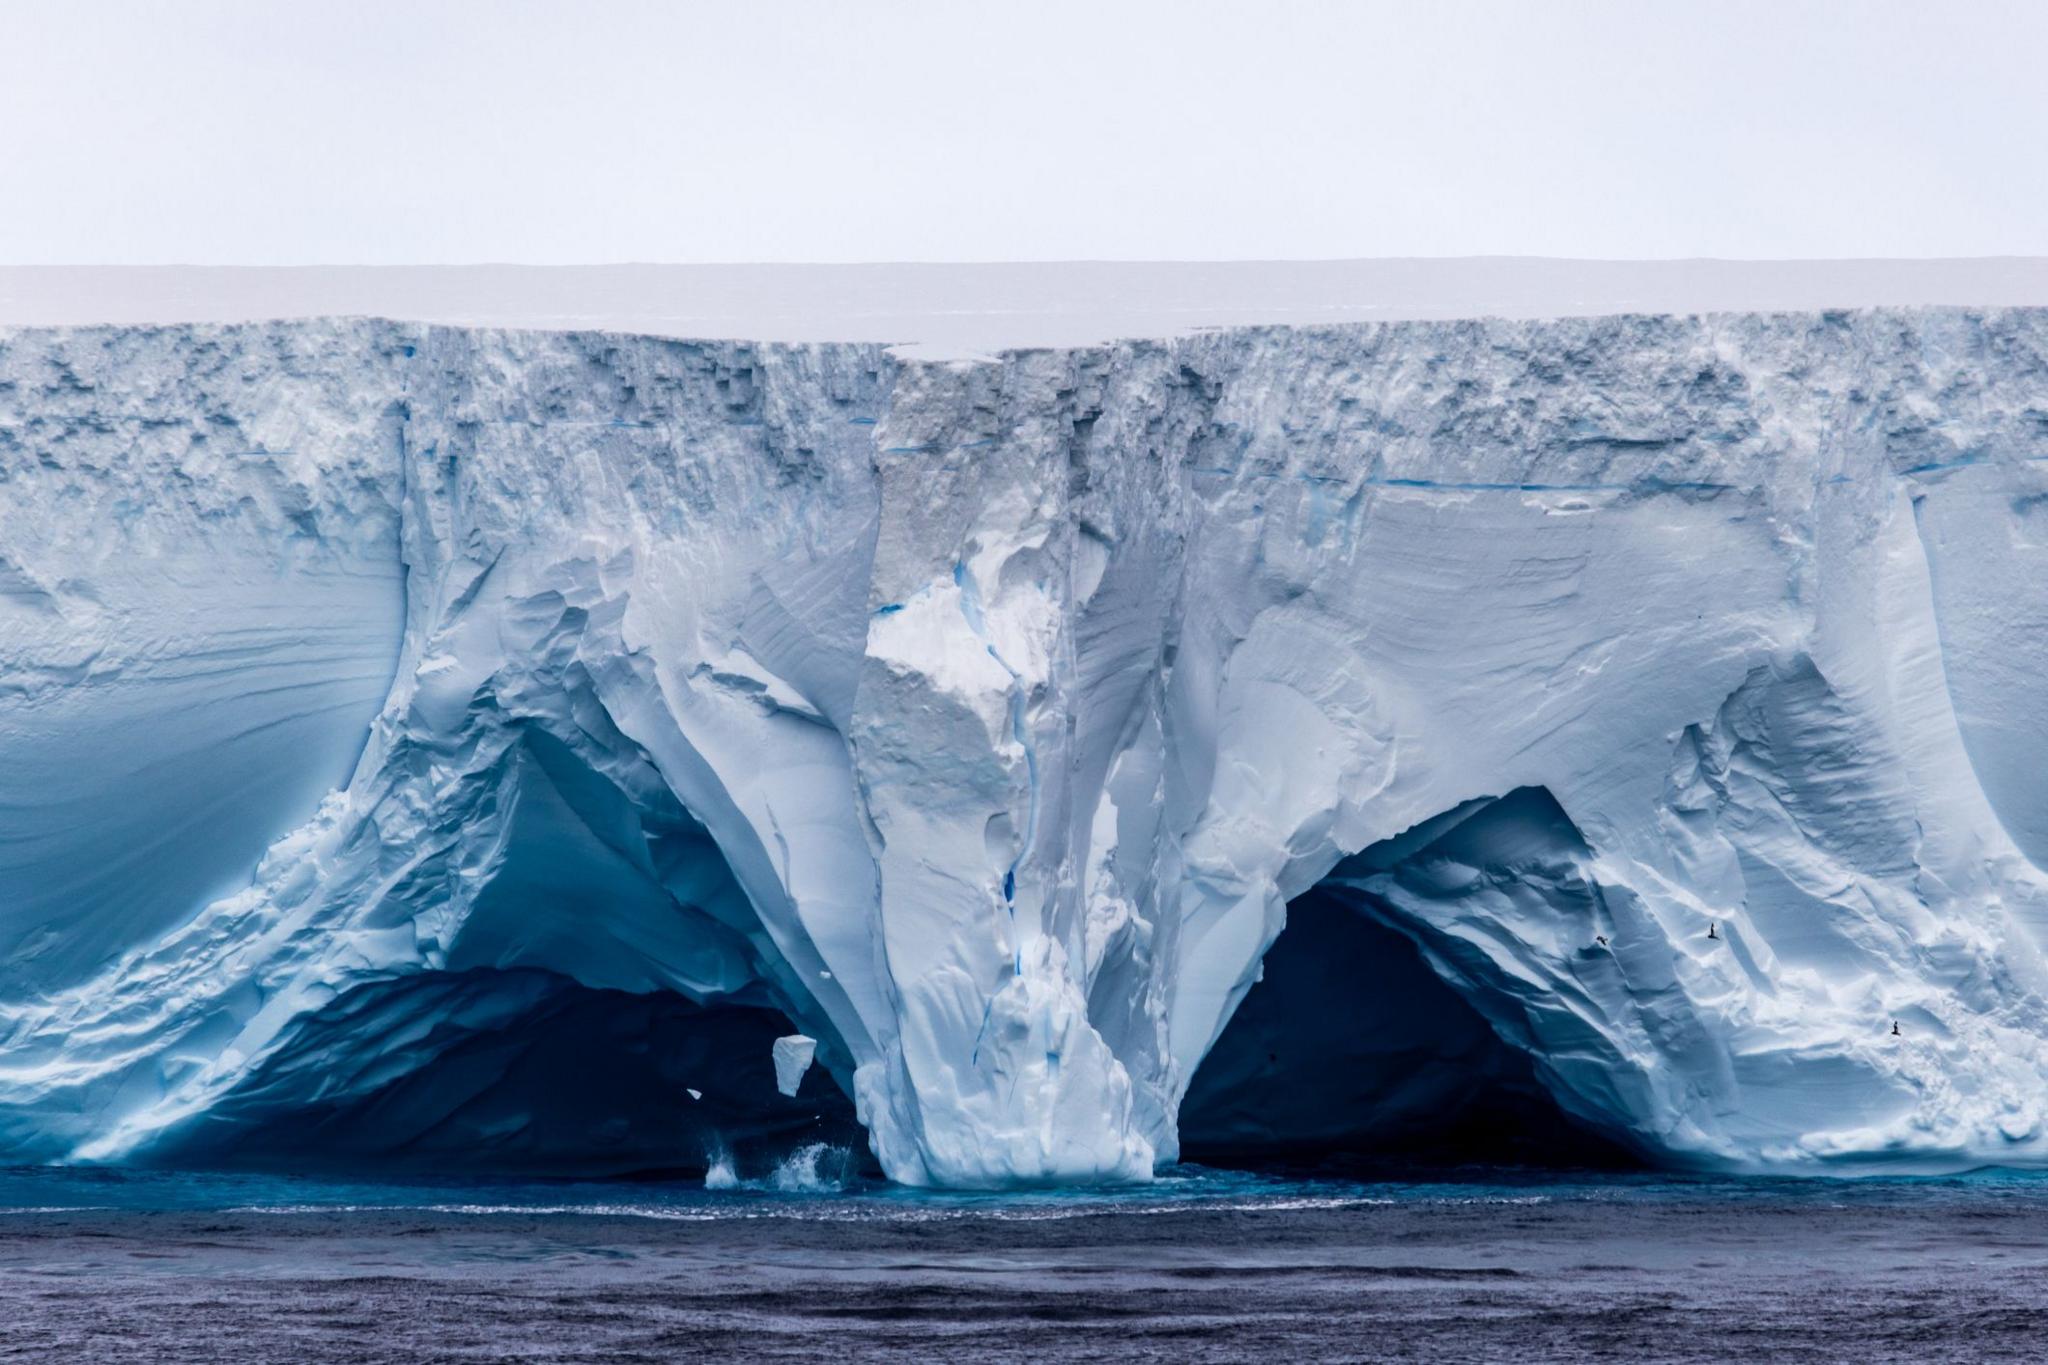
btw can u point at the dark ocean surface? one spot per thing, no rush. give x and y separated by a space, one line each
1202 1265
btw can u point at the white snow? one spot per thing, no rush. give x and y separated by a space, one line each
984 716
939 311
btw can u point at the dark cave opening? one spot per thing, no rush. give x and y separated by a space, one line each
1352 1050
520 1073
604 1010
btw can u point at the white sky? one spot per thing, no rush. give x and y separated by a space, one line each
241 132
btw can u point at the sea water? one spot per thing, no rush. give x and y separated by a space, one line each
811 1260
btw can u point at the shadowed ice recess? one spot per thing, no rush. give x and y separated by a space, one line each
1599 733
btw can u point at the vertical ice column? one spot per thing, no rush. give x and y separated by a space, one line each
973 691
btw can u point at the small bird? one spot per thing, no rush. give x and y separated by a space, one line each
1710 931
1895 1028
1600 939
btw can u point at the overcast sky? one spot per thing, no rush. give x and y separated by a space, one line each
289 131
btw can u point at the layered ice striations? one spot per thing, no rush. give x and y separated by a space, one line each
1670 688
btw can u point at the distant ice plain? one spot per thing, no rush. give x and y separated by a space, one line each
941 310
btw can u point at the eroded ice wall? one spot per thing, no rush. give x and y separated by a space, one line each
982 717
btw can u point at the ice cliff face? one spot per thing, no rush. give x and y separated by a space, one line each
981 719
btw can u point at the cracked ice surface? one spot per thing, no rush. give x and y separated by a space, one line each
983 716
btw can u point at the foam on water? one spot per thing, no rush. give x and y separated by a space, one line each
817 1184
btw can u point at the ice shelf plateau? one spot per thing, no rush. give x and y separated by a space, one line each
977 715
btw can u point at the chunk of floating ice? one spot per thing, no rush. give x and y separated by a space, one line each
792 1059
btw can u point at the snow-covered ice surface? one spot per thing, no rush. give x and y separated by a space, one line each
982 715
955 311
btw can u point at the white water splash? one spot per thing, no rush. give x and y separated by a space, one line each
719 1172
814 1168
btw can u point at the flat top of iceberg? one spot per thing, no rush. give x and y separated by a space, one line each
943 310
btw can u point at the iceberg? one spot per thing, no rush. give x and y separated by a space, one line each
404 726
